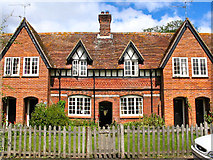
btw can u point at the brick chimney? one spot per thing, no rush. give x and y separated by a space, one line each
104 20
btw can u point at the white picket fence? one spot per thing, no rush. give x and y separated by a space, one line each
87 142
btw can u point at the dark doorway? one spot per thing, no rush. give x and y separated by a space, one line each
202 108
105 113
180 112
9 108
30 104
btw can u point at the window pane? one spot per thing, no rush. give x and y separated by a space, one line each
83 68
35 65
75 68
15 65
184 67
195 67
203 66
134 68
8 66
27 66
127 68
131 106
71 105
87 106
79 106
176 66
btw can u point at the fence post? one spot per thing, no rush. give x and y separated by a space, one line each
64 142
9 141
83 142
122 141
205 128
89 142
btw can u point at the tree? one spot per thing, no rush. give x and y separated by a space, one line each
168 28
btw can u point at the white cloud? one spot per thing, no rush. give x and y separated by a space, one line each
83 17
205 23
152 6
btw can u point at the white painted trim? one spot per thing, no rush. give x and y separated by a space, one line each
105 37
75 98
31 75
199 69
149 95
57 95
11 66
131 115
180 75
28 112
106 96
7 110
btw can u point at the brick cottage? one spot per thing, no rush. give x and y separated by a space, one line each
109 76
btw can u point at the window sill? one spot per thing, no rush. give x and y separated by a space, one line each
200 77
11 76
180 77
78 116
30 76
132 116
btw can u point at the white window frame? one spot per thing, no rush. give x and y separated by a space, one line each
199 67
11 59
30 74
181 70
75 98
77 69
131 68
127 100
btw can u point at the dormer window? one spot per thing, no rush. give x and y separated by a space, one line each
131 68
131 57
79 58
79 68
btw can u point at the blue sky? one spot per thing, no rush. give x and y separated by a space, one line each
82 16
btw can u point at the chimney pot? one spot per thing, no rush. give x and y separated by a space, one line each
107 12
102 12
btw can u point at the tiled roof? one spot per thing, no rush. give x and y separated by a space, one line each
106 52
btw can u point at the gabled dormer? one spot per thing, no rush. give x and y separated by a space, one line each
131 57
79 58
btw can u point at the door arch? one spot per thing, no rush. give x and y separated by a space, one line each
180 111
105 113
202 107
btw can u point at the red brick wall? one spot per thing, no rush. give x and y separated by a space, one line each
190 87
23 87
113 87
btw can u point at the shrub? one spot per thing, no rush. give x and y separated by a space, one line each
53 115
209 117
153 120
82 122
